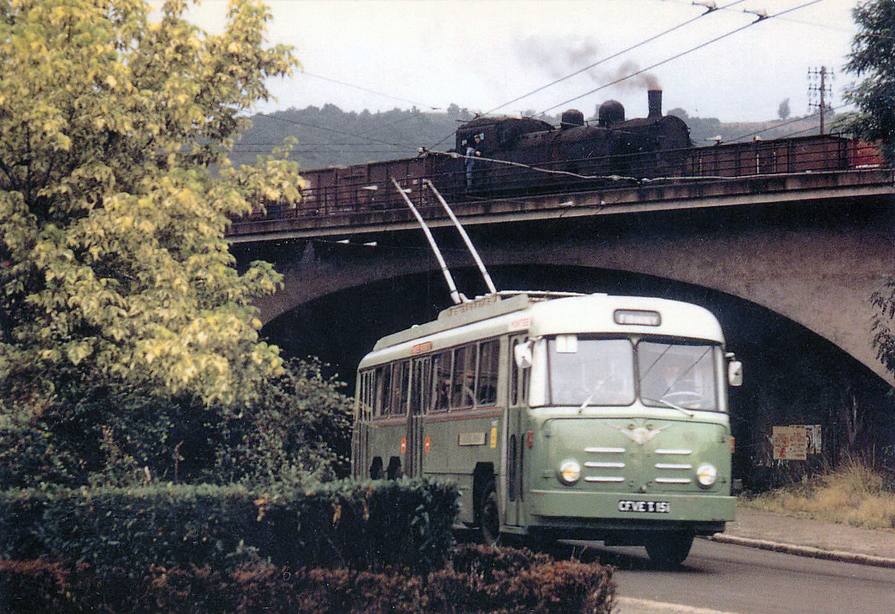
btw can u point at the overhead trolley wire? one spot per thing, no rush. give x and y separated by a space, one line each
683 53
708 11
614 82
333 130
787 123
602 61
369 91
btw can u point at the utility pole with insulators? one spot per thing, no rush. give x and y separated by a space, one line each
820 90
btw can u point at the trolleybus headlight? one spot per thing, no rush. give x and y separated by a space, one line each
706 475
569 472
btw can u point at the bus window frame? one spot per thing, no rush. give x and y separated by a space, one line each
493 378
542 367
390 400
400 392
460 374
549 374
366 405
717 360
383 390
437 406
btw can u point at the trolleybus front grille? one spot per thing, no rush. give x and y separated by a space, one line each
612 469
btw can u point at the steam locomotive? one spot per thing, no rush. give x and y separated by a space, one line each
523 156
615 148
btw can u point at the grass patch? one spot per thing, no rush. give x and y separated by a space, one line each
853 494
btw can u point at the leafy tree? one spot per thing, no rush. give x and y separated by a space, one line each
113 255
299 431
873 58
125 328
783 110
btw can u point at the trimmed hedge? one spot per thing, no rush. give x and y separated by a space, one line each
358 525
481 580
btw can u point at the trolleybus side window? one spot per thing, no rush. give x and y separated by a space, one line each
442 376
367 394
463 381
383 390
489 358
518 377
420 385
400 381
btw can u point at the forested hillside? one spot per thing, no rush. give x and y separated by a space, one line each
329 136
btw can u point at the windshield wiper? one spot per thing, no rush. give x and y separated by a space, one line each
586 402
687 413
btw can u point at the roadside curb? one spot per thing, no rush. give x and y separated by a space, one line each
808 551
631 605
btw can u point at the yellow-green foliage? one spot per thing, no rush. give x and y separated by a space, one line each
853 494
113 262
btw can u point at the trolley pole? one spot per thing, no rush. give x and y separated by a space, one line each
448 278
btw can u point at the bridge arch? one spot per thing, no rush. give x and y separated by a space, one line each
793 376
810 247
816 266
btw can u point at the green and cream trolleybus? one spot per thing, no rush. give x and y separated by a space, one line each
560 416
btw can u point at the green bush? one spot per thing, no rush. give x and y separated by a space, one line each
517 583
297 431
361 525
28 458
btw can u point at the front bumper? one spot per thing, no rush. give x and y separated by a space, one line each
702 513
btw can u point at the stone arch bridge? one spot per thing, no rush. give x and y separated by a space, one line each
810 247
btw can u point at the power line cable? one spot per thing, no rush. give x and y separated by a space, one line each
709 9
761 17
405 146
369 91
333 130
787 123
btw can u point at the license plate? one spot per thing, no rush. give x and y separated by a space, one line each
645 507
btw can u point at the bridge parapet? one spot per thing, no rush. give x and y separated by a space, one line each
355 219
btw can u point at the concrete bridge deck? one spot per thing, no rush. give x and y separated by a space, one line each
668 195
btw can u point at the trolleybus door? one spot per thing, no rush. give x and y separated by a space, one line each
419 402
515 444
361 433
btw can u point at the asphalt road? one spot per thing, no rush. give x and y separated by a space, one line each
750 581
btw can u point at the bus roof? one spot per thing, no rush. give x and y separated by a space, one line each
542 314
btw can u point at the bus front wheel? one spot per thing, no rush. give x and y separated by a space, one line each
669 549
489 516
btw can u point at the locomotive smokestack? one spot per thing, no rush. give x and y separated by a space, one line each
655 103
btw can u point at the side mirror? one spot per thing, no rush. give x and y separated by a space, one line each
522 354
735 373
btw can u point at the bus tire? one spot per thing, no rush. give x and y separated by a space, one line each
669 549
376 468
489 516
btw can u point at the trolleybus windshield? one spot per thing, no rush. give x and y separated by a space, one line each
590 371
614 372
678 375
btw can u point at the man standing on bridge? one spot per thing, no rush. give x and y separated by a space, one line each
473 150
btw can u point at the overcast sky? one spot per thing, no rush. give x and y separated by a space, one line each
482 54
